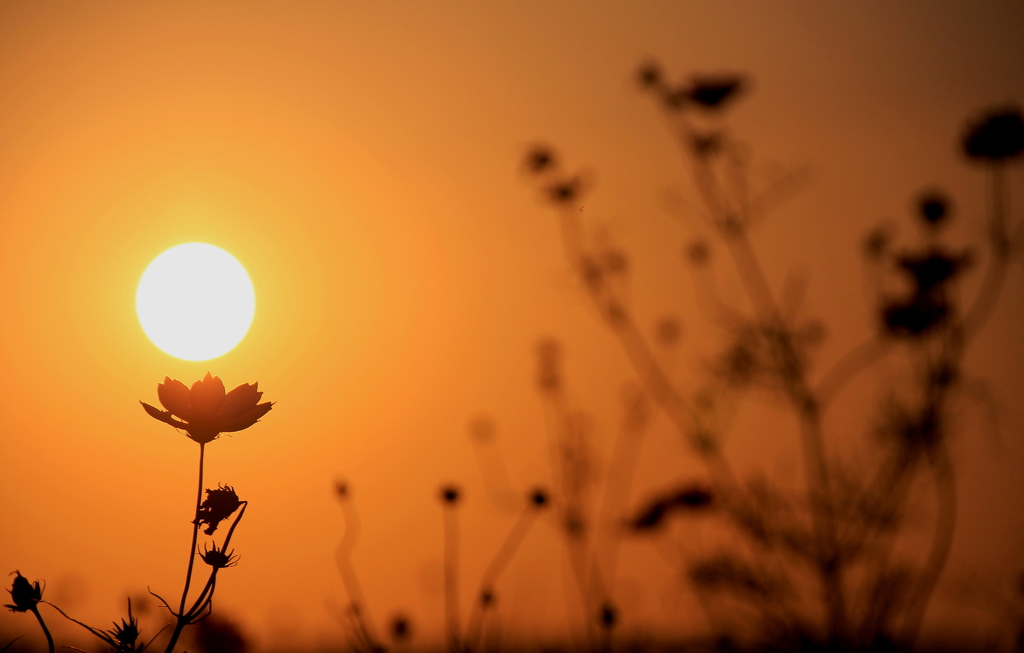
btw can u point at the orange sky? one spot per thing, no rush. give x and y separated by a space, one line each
360 160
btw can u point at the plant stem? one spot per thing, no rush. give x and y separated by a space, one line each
182 620
206 596
942 543
451 577
999 239
46 631
474 629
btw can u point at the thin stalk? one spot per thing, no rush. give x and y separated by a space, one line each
182 621
474 629
644 363
619 481
945 490
985 302
451 577
824 525
211 583
343 558
42 624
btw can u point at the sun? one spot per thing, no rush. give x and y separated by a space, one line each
195 301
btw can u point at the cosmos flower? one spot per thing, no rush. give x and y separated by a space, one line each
205 411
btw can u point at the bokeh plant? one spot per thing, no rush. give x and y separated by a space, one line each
202 412
814 567
840 529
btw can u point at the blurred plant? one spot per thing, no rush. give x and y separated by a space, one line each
356 617
203 412
843 526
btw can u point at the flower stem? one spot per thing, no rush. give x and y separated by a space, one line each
182 618
451 578
46 631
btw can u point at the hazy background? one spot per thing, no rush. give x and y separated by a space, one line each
360 160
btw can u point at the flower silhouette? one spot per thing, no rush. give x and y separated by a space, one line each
218 506
205 411
219 558
24 594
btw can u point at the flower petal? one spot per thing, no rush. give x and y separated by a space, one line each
165 417
174 396
239 401
207 397
246 419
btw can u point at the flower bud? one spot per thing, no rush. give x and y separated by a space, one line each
218 506
24 594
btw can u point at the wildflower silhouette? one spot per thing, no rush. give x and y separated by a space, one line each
205 411
219 558
26 597
24 594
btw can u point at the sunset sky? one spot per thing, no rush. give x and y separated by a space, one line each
362 161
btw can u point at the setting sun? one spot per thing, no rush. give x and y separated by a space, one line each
195 301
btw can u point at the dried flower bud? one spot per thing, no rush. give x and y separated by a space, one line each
401 628
341 489
714 93
609 616
539 497
565 191
997 136
539 159
24 594
218 506
126 633
450 494
219 558
933 208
